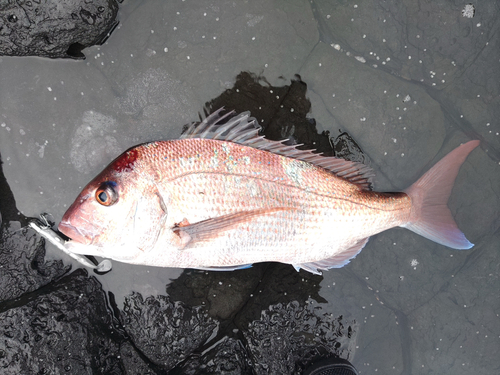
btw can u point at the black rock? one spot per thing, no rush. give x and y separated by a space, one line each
287 338
54 28
61 328
22 262
165 331
228 357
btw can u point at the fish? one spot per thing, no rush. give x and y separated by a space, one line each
223 197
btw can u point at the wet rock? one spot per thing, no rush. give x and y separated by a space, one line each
53 28
346 148
280 284
228 357
166 332
289 337
22 264
64 328
133 362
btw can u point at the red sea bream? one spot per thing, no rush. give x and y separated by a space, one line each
222 197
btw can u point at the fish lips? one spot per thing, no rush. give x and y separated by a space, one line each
75 233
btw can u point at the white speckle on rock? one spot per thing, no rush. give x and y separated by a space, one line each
468 11
253 20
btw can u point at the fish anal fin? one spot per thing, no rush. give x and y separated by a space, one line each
336 261
224 268
212 228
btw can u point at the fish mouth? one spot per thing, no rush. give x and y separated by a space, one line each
76 234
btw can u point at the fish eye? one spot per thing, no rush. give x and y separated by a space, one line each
106 194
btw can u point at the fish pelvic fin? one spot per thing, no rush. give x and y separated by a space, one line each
430 216
336 261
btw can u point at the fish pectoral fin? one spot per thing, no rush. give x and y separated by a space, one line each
211 228
336 261
184 237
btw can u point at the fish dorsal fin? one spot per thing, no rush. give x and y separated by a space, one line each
244 130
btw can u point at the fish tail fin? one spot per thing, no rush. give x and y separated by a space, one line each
430 216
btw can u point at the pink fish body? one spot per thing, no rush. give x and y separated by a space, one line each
222 197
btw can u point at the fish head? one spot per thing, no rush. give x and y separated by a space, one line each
119 214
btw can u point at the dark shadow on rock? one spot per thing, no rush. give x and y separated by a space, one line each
266 319
55 29
269 316
8 209
283 113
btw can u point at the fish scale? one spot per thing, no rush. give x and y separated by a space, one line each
223 197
